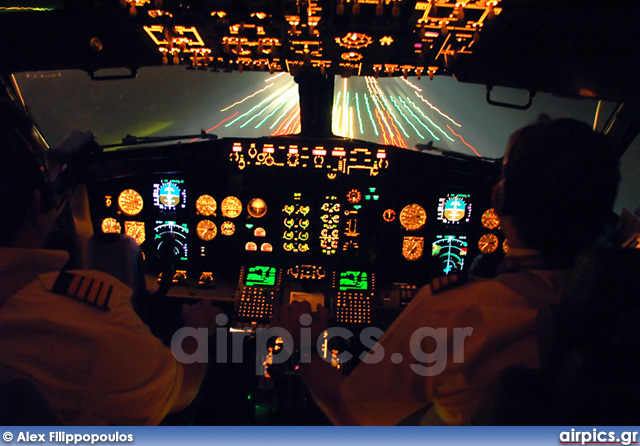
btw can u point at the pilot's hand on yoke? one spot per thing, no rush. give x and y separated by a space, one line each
292 317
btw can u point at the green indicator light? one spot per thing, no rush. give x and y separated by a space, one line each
367 197
372 189
249 225
248 397
376 197
357 207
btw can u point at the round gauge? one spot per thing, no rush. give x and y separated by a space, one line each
490 219
413 217
206 230
135 229
257 208
206 205
130 202
111 226
389 215
505 246
231 207
354 196
488 243
412 248
227 228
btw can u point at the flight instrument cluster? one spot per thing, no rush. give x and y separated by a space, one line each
303 207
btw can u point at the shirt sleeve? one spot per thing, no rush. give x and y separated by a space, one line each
136 380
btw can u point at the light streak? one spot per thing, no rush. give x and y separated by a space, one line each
432 123
465 142
373 123
273 78
217 125
283 115
248 97
284 100
436 109
406 119
291 96
269 99
400 142
358 113
411 84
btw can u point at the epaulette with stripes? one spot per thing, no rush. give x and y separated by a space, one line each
84 289
440 284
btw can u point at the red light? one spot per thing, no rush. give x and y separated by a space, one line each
319 152
381 154
237 148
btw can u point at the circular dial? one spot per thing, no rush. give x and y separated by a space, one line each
206 230
257 208
490 219
173 233
413 217
206 205
227 228
231 207
354 196
413 248
135 229
130 202
111 226
389 215
488 243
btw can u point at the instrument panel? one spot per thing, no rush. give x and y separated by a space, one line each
402 216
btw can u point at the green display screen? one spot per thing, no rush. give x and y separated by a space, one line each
353 280
261 276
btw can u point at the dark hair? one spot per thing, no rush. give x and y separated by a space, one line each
23 167
560 183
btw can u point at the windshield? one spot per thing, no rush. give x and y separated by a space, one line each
162 101
450 114
170 101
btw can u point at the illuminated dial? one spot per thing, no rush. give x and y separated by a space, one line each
488 243
111 226
130 202
389 215
490 219
412 248
231 207
505 246
354 196
451 250
206 205
206 230
227 228
257 208
135 229
413 217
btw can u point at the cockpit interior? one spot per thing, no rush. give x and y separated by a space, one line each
341 152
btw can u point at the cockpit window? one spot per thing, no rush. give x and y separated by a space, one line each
162 101
172 101
442 112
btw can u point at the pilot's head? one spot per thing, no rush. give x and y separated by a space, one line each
26 193
558 186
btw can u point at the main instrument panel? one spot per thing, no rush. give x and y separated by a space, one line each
312 213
